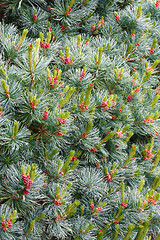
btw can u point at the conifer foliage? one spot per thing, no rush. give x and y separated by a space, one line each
80 120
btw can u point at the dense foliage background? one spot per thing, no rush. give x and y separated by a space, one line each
79 119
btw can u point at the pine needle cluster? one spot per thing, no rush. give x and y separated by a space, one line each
80 120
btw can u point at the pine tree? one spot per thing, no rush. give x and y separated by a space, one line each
79 120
